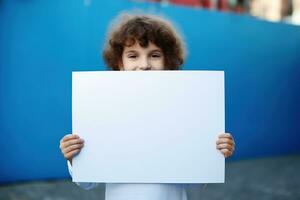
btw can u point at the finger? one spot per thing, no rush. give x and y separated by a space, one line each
69 137
225 146
71 142
72 147
229 148
225 135
71 154
225 140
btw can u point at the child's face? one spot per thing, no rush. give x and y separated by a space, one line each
136 57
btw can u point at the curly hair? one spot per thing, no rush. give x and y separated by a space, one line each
143 29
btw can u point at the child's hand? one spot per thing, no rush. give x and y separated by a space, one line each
225 144
70 145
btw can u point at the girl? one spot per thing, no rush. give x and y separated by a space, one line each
141 42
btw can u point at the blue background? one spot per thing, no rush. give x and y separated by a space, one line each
42 42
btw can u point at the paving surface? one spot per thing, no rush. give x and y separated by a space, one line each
266 178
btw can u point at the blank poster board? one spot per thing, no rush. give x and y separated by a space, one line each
148 126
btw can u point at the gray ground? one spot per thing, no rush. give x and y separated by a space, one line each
266 178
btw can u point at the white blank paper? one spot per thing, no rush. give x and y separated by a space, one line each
148 126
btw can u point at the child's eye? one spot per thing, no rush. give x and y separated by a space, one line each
155 55
132 56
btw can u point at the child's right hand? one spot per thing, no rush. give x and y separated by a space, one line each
70 145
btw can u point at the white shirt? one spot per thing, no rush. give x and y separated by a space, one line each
140 191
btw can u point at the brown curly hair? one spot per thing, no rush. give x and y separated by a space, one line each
143 29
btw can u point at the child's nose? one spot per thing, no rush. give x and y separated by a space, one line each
145 64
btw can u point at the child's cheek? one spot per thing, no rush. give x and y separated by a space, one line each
158 64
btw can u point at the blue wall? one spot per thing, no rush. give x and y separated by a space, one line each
41 42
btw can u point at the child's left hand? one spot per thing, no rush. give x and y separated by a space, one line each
225 144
